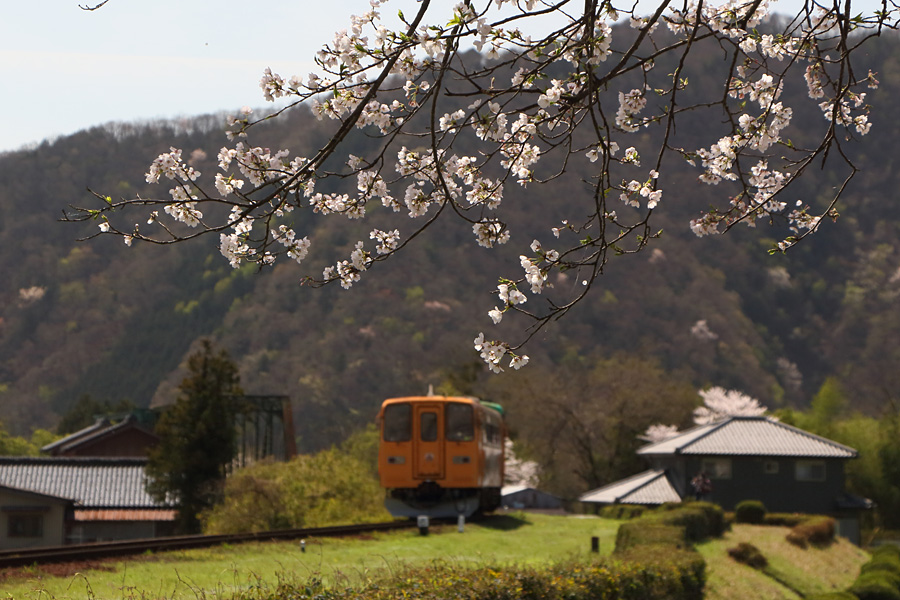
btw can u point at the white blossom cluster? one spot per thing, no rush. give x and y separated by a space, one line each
531 102
719 403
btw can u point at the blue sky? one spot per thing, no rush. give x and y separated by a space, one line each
65 69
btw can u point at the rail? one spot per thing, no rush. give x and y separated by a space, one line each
74 552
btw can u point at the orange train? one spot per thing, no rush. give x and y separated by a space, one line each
440 456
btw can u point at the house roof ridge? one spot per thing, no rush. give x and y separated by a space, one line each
749 435
105 431
73 460
711 428
97 425
853 451
695 430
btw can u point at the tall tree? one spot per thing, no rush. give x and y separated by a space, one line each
197 437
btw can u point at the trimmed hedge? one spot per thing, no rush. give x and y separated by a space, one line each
665 537
653 560
750 511
816 531
622 511
749 555
882 562
785 519
876 586
879 579
700 520
574 581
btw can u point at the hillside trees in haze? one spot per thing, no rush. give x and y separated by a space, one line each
86 410
113 322
581 420
462 135
834 414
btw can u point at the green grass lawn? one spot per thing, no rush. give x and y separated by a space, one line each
791 569
220 572
223 572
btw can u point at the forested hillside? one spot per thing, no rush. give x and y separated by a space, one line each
113 322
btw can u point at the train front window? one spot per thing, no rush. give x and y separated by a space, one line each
428 427
397 422
460 423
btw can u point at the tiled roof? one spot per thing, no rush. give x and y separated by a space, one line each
508 490
90 482
749 436
649 487
99 430
99 425
133 514
513 489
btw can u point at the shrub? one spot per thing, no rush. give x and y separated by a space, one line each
882 562
622 511
661 539
785 519
749 555
750 511
648 579
818 531
875 586
648 533
700 520
832 596
327 488
887 550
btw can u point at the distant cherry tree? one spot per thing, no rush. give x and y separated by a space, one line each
719 403
550 83
658 433
518 471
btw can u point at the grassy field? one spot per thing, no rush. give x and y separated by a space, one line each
218 573
792 572
223 572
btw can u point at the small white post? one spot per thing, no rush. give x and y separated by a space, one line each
422 521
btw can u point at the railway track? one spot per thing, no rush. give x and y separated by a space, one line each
77 552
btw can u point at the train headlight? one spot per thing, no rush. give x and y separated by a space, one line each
396 460
462 460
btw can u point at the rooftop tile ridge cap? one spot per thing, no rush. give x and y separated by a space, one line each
711 428
696 430
852 451
76 435
105 431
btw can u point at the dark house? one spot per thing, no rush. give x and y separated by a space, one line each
127 438
52 501
746 458
524 496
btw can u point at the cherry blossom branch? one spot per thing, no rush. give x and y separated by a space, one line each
532 108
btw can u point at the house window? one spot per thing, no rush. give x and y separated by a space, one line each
717 468
770 467
810 470
25 525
